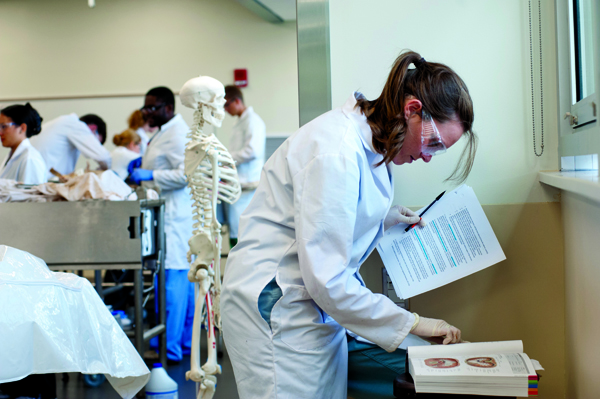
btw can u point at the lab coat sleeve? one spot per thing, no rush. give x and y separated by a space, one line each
254 137
173 178
34 171
326 194
90 147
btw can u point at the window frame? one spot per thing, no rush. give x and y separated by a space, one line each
584 137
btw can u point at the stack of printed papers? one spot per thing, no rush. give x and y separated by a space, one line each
486 368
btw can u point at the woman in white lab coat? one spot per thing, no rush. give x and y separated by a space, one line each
128 148
23 163
292 289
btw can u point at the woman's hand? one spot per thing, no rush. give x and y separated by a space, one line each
425 327
401 214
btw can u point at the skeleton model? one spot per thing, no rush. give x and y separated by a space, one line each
212 177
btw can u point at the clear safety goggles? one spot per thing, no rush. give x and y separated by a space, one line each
431 141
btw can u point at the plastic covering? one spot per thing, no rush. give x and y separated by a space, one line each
55 322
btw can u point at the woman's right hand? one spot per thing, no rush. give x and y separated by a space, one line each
426 327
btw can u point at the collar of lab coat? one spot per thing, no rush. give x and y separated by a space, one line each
355 115
174 120
366 134
25 144
245 114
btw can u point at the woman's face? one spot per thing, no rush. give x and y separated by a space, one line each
450 132
11 134
135 147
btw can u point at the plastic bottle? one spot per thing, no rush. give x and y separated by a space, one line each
160 386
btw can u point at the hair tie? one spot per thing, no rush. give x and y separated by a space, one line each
419 63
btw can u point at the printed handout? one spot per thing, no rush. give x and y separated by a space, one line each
456 242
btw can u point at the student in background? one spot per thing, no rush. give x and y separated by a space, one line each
62 140
128 148
24 163
247 148
162 167
138 124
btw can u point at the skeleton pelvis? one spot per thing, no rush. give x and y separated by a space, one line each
202 246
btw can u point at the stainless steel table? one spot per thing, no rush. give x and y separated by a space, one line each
96 235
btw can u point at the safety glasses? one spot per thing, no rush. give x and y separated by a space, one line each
5 125
431 141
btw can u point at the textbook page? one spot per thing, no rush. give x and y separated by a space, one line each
457 241
466 349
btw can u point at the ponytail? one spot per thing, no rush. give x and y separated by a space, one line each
443 95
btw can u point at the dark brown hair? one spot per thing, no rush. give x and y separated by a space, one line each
233 92
26 114
443 95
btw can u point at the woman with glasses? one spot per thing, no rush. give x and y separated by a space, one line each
23 163
298 320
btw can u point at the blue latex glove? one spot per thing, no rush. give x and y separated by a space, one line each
139 175
136 163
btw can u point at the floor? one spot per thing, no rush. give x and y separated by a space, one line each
75 388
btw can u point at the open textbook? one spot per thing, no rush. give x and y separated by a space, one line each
457 241
483 368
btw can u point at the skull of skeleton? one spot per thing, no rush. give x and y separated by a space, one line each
207 95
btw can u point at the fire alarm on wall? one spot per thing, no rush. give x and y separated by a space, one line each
240 77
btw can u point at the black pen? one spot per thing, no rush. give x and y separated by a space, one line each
426 209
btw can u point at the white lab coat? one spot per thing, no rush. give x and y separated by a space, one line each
121 157
316 216
62 139
26 165
247 148
145 139
165 156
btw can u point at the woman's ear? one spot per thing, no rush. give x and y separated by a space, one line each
23 127
411 107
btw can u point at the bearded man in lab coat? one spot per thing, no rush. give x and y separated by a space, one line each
247 148
162 166
62 140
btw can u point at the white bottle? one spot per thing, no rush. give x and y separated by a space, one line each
160 386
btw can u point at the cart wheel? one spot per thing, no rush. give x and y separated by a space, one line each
94 380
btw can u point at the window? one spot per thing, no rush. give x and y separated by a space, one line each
577 27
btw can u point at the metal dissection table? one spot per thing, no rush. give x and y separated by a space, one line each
96 235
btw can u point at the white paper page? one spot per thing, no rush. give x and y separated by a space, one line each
457 241
467 349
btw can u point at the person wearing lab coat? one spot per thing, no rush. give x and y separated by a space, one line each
62 140
128 148
295 309
163 166
138 124
23 163
247 148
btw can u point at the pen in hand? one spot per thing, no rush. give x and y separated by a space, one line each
425 210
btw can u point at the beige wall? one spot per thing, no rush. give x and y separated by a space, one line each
520 298
487 43
581 220
63 48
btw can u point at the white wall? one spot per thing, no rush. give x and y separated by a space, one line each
487 44
57 48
